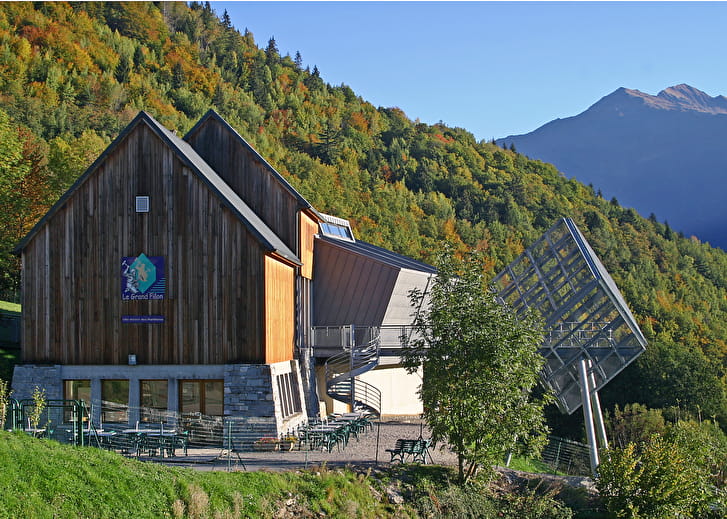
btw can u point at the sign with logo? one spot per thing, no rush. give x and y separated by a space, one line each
142 278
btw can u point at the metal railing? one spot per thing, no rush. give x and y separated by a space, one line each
577 334
390 336
68 421
342 369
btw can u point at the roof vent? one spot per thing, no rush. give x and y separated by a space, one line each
142 204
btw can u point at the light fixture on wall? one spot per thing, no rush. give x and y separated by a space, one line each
132 360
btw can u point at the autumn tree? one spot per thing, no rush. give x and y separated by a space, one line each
480 364
13 170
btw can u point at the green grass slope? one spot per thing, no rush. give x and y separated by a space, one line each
42 478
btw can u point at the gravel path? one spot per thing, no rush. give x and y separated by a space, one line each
368 451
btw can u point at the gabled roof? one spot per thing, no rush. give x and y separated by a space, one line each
380 254
211 114
205 173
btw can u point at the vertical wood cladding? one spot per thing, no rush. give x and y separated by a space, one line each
213 307
279 311
249 177
308 230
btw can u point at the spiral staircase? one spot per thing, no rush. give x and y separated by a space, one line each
360 355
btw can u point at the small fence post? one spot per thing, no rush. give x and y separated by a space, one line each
229 444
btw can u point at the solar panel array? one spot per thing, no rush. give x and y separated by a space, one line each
585 315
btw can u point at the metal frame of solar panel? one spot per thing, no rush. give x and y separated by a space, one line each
585 315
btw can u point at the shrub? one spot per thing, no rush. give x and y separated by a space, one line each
39 405
4 402
651 480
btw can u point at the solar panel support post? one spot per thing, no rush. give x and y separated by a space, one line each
588 414
352 346
597 414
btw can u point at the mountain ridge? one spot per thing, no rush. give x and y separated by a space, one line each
660 154
680 97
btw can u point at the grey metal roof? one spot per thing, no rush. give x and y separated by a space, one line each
213 114
254 224
380 254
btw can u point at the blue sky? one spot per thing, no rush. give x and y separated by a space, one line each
496 68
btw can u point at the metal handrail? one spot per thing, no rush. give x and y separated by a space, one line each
342 369
391 336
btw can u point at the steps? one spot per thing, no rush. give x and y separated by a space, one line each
360 355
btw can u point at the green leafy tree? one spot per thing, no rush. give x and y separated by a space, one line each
704 445
13 171
652 480
480 364
634 423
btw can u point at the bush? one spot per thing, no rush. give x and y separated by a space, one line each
651 480
477 501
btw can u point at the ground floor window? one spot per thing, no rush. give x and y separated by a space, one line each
115 401
201 396
289 392
76 390
153 399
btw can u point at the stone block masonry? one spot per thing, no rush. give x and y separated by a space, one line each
27 377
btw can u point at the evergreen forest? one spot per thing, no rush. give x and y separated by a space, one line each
72 75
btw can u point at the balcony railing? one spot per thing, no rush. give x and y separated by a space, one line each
391 337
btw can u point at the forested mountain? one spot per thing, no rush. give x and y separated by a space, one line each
73 74
661 154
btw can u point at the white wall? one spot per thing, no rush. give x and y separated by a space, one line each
398 390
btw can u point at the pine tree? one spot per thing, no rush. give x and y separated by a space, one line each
123 69
272 55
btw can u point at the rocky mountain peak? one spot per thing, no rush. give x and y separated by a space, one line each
685 97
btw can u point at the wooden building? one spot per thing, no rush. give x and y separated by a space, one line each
181 269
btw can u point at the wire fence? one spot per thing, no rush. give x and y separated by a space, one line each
566 456
162 435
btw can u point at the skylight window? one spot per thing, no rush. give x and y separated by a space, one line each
336 228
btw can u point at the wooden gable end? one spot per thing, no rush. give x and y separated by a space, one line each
279 311
249 176
212 310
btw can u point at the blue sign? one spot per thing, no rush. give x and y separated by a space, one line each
142 319
142 278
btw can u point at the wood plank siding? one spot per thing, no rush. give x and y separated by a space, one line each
350 288
249 176
214 305
308 230
279 311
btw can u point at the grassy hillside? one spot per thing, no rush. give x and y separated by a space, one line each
72 75
42 478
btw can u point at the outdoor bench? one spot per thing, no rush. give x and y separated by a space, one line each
403 449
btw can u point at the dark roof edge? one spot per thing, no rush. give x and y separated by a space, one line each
213 114
256 226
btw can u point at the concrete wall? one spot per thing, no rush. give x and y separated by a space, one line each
398 390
